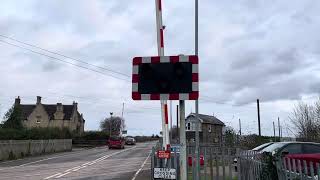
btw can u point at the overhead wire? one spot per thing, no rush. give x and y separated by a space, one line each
207 98
60 54
67 62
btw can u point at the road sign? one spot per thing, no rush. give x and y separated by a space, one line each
164 154
165 78
175 148
124 132
164 173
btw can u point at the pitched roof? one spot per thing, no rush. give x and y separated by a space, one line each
52 108
27 109
208 119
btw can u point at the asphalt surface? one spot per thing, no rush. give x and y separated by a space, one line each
131 163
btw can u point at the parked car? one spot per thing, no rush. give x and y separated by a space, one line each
116 142
281 149
262 146
130 141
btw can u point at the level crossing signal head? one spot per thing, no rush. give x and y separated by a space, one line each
165 78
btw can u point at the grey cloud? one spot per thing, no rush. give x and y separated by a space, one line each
247 49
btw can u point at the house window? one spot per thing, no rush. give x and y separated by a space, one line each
38 119
188 126
209 129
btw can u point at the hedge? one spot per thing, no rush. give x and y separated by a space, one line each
93 135
34 133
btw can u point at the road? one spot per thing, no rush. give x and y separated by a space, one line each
132 163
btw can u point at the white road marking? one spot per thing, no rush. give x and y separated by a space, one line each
21 165
145 161
52 176
33 162
74 169
62 175
37 161
86 163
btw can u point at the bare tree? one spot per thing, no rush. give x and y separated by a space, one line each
306 120
113 125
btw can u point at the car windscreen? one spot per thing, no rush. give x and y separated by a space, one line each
262 146
273 147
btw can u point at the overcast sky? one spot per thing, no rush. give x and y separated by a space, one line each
247 49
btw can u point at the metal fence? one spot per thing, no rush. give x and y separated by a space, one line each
220 163
215 162
254 165
172 162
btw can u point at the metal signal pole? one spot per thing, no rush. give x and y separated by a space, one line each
178 124
170 106
183 148
197 139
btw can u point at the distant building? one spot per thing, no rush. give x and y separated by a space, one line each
211 129
51 115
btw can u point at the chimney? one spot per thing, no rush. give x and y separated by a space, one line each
38 99
59 107
75 105
17 101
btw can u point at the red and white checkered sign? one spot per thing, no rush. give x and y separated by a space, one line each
194 95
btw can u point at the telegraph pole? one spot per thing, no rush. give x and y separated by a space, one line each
197 102
279 128
110 124
274 132
240 126
121 119
122 110
258 109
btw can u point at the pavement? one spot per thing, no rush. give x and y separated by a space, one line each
131 163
